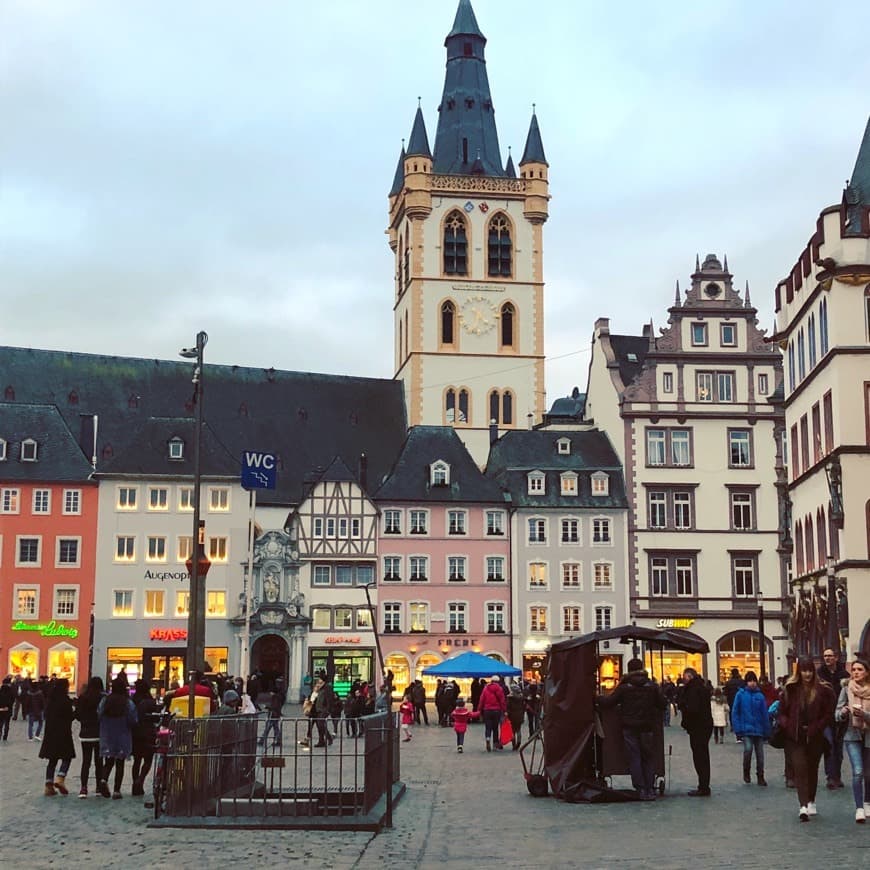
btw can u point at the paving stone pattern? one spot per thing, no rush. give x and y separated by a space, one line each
459 811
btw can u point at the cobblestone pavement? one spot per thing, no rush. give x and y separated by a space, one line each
458 810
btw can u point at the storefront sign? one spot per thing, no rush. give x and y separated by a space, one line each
457 641
169 634
46 629
341 638
675 623
166 575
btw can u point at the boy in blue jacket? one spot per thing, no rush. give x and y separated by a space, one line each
751 723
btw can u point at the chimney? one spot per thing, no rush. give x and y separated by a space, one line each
363 471
493 432
88 437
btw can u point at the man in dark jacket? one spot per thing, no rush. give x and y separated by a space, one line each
697 719
832 673
732 687
641 704
7 702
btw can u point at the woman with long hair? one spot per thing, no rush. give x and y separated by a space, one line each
117 718
144 734
89 735
57 744
853 706
804 713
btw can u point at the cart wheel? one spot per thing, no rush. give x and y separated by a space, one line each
537 785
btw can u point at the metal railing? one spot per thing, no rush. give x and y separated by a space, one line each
244 767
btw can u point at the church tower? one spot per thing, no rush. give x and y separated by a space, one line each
467 234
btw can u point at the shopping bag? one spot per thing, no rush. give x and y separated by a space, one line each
507 733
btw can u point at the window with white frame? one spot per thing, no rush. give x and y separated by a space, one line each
457 617
392 522
670 447
699 334
330 527
742 512
495 568
342 617
185 498
42 501
156 551
418 612
392 568
743 569
657 509
456 568
2 450
365 574
355 527
122 603
321 618
176 449
494 618
571 575
28 552
125 548
739 448
456 522
672 575
218 548
728 334
155 602
717 387
667 382
439 473
419 568
495 522
603 618
537 530
658 576
569 483
66 602
128 498
570 530
538 575
572 619
215 602
321 575
68 552
158 498
218 499
685 576
28 450
602 576
185 548
563 446
317 527
9 501
670 508
600 483
682 510
26 601
763 386
392 617
343 527
344 575
72 501
601 531
538 618
419 522
536 483
182 603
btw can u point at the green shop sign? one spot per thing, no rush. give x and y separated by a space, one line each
46 629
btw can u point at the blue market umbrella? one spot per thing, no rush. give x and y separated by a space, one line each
471 664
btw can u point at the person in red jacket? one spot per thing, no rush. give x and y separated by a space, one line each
492 707
461 717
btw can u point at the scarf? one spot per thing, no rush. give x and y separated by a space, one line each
858 695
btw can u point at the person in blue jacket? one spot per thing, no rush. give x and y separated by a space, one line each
751 723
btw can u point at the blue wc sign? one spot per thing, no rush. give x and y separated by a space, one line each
259 470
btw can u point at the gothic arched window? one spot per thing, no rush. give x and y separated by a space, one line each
455 245
822 535
507 408
810 543
507 325
463 406
499 253
799 548
450 406
493 406
448 319
823 326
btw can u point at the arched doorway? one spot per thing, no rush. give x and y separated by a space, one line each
427 660
270 655
739 649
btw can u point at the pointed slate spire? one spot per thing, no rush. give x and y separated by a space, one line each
399 177
418 144
725 258
746 302
509 169
534 150
857 194
677 295
466 118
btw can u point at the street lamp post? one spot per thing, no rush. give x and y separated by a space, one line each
761 643
196 605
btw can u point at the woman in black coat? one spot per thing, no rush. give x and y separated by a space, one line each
89 735
57 743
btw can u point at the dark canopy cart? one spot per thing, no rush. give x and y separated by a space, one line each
576 751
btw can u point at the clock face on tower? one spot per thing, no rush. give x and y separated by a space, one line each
477 315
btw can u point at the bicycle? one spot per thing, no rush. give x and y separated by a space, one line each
160 778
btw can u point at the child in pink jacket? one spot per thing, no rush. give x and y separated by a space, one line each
407 712
461 717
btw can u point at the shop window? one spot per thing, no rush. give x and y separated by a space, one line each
398 664
63 663
740 650
24 661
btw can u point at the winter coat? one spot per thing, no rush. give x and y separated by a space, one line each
516 710
732 687
695 707
461 717
145 729
719 711
7 699
805 724
844 714
35 703
492 698
89 720
418 694
407 711
749 714
639 700
57 742
324 698
116 732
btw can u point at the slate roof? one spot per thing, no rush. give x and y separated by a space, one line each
630 352
568 408
59 457
306 418
857 193
409 478
418 143
518 452
534 150
399 177
465 22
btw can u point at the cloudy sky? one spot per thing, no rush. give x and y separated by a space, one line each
173 166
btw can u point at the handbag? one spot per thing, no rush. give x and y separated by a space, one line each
777 736
507 732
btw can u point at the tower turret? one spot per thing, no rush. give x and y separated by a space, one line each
534 168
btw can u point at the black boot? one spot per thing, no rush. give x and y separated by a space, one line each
746 777
760 778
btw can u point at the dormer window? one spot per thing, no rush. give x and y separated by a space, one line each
569 483
176 448
2 450
536 483
600 483
28 450
439 473
563 445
